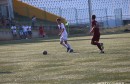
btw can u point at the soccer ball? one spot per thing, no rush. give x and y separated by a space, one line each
45 52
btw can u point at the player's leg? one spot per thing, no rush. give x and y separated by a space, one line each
30 34
26 35
66 42
68 46
62 42
96 43
101 44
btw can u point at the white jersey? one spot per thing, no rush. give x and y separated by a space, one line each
34 19
61 26
29 28
13 28
25 28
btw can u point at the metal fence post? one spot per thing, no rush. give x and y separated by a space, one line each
76 16
90 12
60 12
106 18
121 18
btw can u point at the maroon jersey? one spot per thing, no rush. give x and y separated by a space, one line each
96 29
96 33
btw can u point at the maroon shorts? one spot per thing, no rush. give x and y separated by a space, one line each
96 37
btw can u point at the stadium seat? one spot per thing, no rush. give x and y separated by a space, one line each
101 8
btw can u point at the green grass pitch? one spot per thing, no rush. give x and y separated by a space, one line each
23 62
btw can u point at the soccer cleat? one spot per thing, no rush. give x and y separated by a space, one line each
102 52
71 50
68 49
102 46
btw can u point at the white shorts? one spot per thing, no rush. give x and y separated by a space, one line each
64 38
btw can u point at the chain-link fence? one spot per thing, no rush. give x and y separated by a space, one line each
74 11
78 19
81 16
76 16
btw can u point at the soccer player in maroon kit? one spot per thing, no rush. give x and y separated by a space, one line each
96 34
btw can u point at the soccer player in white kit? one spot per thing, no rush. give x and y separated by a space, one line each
14 31
29 32
63 35
25 27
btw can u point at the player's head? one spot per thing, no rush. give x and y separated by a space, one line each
58 20
93 16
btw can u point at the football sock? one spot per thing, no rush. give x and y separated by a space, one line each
68 45
64 45
98 45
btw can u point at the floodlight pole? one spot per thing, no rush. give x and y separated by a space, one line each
90 12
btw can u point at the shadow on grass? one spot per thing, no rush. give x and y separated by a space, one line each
5 72
24 41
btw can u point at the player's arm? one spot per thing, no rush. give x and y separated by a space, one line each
92 30
61 28
94 26
61 31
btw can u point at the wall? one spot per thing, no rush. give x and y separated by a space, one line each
3 1
7 35
27 10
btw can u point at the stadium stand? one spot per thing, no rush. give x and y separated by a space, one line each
24 9
77 10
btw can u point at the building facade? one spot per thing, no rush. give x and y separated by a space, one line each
6 9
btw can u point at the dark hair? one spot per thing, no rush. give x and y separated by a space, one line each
93 16
58 19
